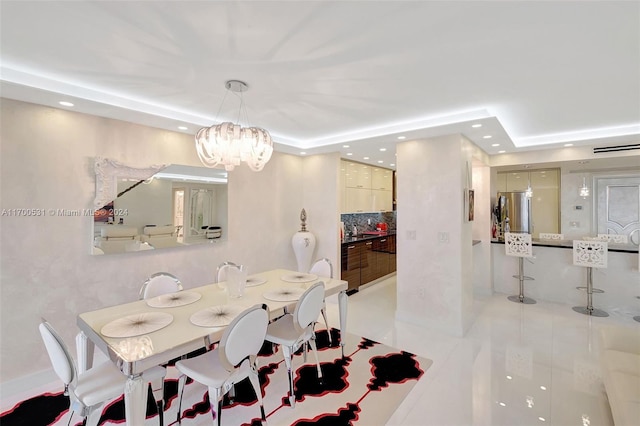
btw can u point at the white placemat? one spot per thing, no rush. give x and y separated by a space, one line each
171 300
299 278
137 324
216 316
284 294
255 281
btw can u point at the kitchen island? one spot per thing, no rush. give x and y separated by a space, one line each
556 278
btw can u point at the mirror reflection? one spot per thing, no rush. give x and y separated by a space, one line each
176 207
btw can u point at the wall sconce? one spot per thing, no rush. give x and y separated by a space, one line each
584 190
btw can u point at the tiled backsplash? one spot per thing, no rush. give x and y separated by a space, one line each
361 221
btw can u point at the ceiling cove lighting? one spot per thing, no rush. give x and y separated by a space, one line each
230 144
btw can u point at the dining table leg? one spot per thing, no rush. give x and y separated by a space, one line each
84 349
135 400
342 307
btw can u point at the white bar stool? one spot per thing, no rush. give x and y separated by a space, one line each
592 254
519 245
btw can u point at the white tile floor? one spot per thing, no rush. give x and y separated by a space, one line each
517 365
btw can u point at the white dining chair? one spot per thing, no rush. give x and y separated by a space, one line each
158 284
231 362
323 268
87 391
291 331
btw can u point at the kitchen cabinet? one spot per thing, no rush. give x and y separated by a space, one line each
358 200
367 260
350 265
382 179
364 188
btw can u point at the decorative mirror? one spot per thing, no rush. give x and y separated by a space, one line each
157 207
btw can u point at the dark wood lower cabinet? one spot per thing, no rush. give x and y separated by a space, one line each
367 260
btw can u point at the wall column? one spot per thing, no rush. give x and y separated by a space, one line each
434 237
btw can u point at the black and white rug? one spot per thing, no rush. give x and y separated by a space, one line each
364 388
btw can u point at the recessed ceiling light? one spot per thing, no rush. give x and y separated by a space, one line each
383 149
65 103
476 125
502 404
568 144
487 137
543 387
502 152
366 158
380 161
349 153
495 144
583 162
345 146
541 419
183 128
402 137
303 152
509 377
392 165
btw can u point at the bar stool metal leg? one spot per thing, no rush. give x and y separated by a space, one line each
589 309
637 317
521 298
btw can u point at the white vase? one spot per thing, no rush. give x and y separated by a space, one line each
304 244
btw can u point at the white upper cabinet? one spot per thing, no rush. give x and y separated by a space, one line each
357 175
382 179
365 188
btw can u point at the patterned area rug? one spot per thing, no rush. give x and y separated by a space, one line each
364 388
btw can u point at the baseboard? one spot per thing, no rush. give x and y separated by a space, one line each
24 386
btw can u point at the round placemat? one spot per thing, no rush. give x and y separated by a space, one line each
284 294
216 316
299 278
255 281
173 300
137 324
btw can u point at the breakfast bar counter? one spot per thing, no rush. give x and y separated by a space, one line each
556 278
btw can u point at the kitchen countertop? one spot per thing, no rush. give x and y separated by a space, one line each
367 236
622 248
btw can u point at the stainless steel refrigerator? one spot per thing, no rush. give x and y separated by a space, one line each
515 206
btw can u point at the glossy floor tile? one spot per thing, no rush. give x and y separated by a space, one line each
517 365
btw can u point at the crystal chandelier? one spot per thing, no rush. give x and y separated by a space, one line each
230 144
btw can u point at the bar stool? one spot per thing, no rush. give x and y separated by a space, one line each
519 245
592 254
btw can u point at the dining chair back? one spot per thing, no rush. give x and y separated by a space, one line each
158 284
87 391
231 362
291 331
323 268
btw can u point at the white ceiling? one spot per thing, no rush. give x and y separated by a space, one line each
324 74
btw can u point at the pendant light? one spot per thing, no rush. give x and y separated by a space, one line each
528 192
584 191
230 144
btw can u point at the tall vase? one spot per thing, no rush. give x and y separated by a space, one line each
304 244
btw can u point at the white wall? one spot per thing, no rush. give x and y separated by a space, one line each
47 160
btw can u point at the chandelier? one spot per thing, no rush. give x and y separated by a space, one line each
230 144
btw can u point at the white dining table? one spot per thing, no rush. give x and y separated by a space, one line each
137 353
